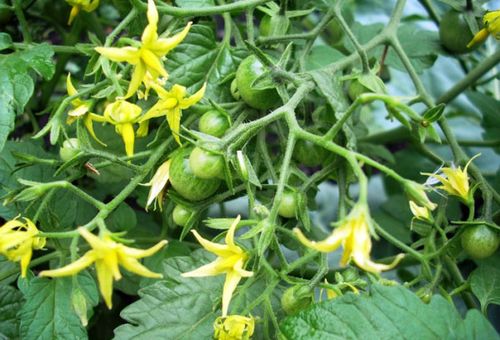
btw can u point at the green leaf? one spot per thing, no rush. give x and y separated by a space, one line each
199 59
330 88
485 284
11 300
177 307
7 114
190 62
5 41
39 58
9 176
489 108
16 83
387 313
48 312
421 47
322 56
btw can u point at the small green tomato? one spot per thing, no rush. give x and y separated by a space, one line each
69 149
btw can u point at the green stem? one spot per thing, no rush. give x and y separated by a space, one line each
237 6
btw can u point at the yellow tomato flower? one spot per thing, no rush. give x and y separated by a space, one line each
230 261
123 115
454 181
354 236
147 57
234 327
107 256
491 21
421 213
158 184
171 104
86 5
17 241
81 109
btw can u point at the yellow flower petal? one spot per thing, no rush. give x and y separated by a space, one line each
73 14
140 253
230 284
25 261
231 231
88 122
69 86
153 63
216 248
158 182
128 135
210 269
479 38
119 54
134 266
72 268
105 278
330 244
94 241
174 121
164 45
137 78
195 98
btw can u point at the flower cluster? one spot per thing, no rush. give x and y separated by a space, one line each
353 233
107 255
17 241
146 58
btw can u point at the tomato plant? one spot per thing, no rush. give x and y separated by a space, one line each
252 169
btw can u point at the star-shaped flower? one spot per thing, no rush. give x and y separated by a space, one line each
123 115
454 180
147 56
81 110
108 255
354 236
171 104
17 241
230 261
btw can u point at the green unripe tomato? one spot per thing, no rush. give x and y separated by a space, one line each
181 215
205 164
249 70
185 182
288 204
356 89
308 153
454 32
296 298
480 241
69 149
274 25
214 123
